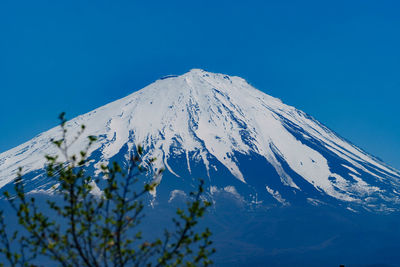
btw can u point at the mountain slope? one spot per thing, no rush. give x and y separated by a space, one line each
221 123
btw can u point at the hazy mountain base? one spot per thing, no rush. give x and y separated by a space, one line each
262 231
305 236
299 235
289 236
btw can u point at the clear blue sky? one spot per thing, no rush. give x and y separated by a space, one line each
336 60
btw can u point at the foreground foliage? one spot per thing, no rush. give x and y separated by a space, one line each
99 228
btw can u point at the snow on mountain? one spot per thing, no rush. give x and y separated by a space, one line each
203 116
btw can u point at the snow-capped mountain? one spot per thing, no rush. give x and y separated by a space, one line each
243 141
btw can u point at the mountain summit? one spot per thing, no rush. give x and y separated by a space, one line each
243 141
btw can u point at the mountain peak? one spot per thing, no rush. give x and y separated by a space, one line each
197 71
200 73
